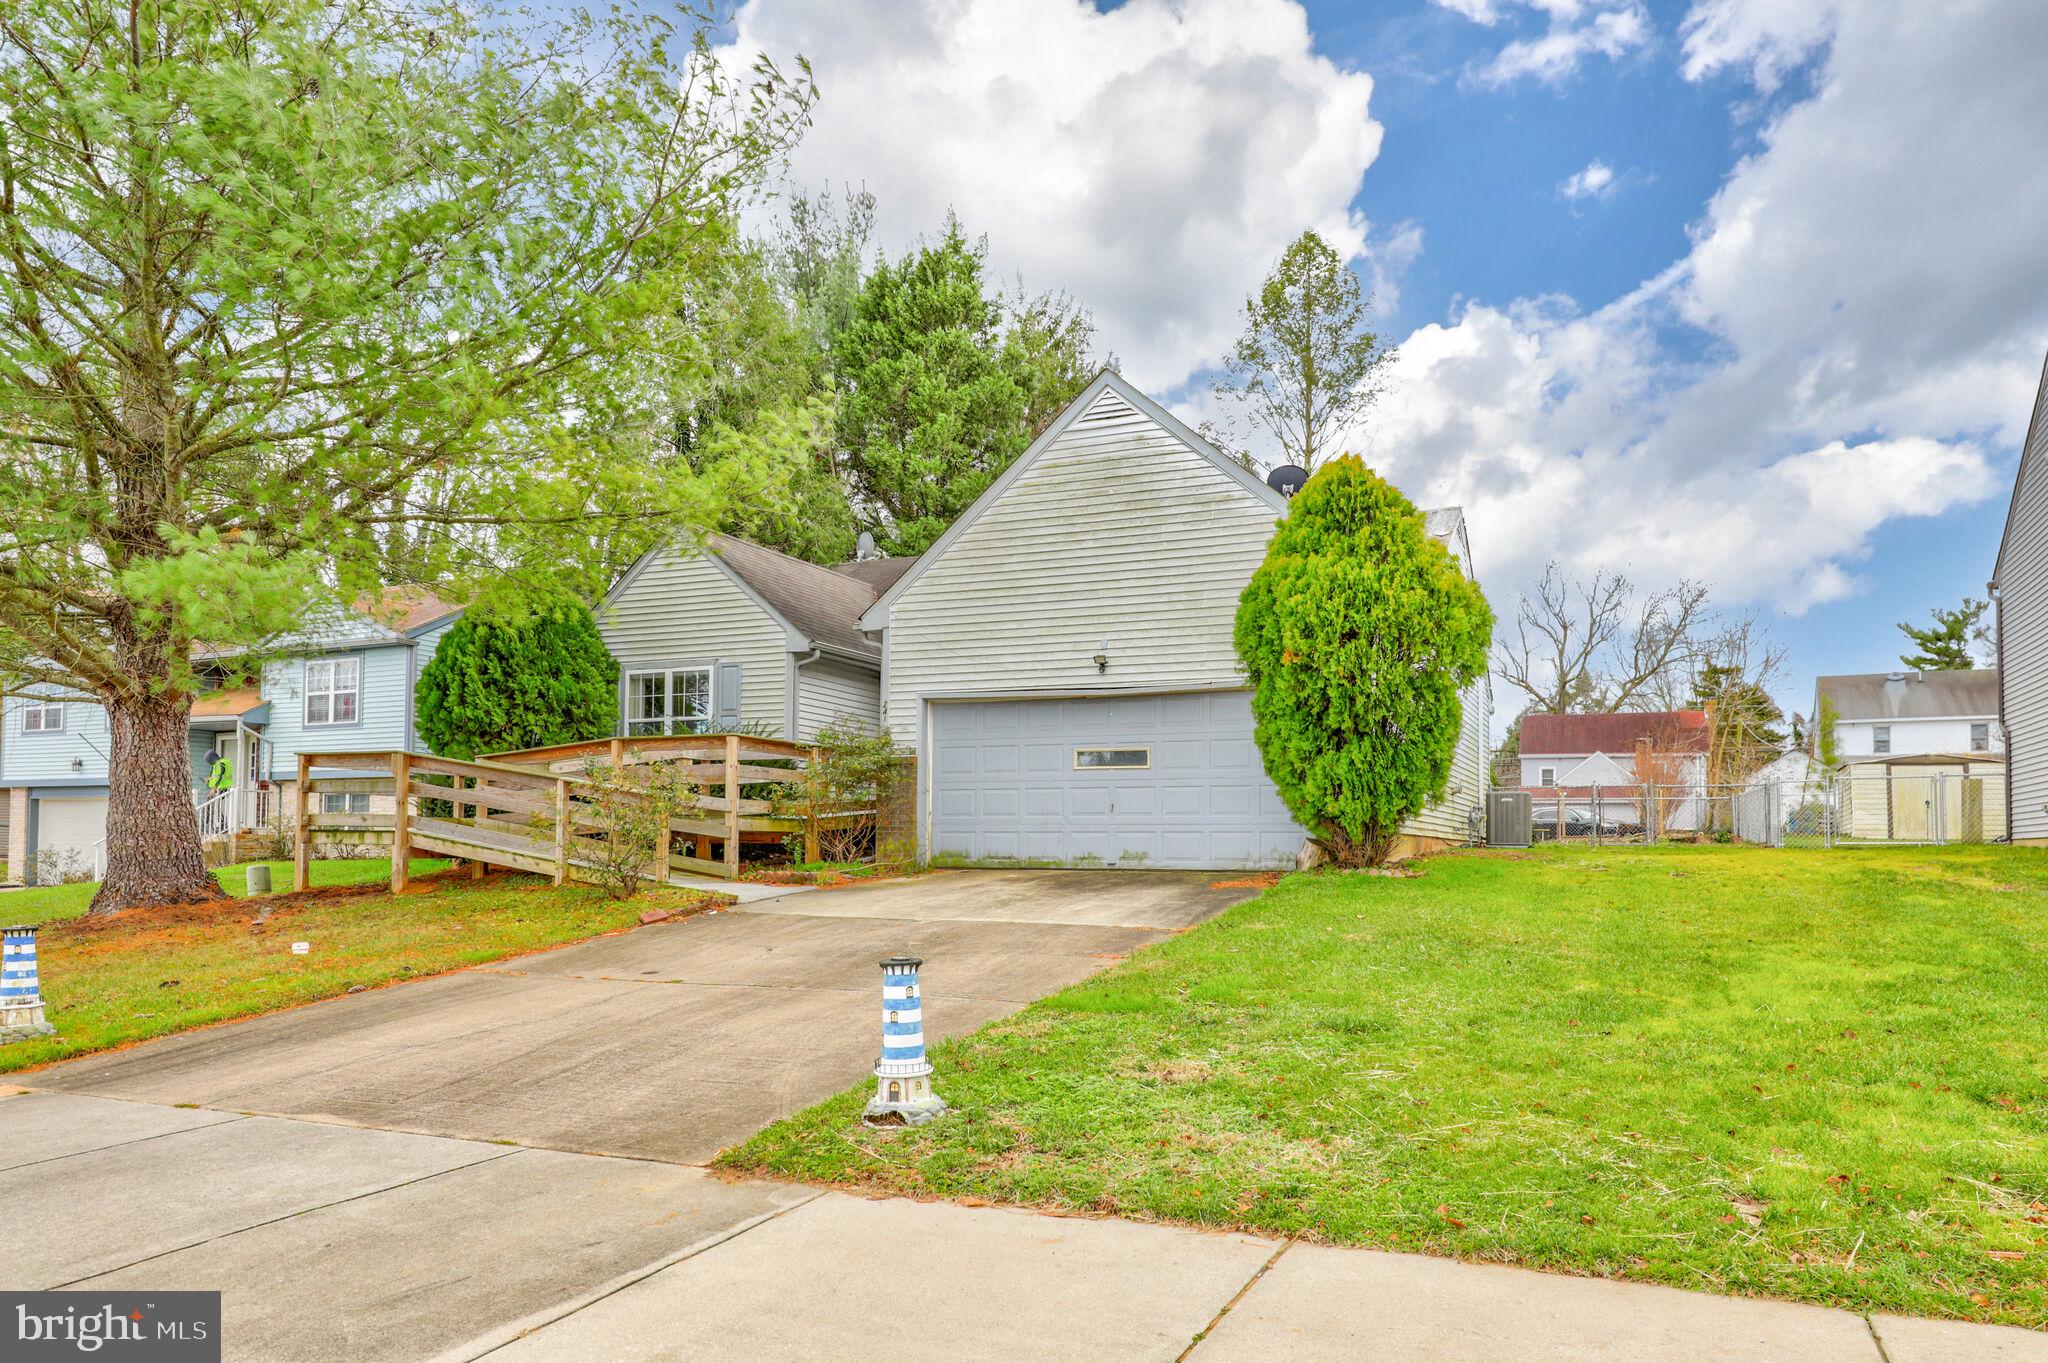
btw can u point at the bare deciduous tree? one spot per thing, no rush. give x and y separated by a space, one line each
1601 645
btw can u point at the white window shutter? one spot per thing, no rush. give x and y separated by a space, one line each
726 697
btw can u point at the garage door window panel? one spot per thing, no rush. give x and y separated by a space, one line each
1122 759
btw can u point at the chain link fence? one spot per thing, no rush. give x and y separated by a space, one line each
1846 809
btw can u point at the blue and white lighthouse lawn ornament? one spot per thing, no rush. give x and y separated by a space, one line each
903 1078
21 989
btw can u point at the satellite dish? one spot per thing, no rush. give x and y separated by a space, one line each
864 547
1287 479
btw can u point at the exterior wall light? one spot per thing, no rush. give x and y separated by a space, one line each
1101 659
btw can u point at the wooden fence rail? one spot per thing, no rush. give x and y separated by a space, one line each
532 810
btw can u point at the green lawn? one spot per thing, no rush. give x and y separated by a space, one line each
148 972
1813 1075
46 904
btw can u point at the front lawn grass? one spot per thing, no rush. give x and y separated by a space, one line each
148 972
47 903
1812 1075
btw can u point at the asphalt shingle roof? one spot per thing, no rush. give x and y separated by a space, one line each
824 604
1916 695
1569 735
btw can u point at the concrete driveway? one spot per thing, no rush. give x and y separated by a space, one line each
671 1042
351 1174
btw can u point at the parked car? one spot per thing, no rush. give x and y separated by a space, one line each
1578 824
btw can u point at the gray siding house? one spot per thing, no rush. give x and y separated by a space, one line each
1062 662
345 680
2019 591
730 635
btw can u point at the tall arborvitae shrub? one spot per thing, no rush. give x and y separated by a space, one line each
1359 632
502 681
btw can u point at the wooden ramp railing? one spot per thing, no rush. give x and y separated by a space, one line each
532 810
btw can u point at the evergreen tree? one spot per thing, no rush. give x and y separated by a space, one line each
751 411
1746 733
1359 634
501 681
1944 646
941 387
819 258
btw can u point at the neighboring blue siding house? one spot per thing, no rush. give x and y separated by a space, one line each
345 684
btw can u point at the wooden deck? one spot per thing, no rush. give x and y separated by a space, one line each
537 810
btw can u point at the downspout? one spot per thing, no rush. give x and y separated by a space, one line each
2004 729
412 684
796 673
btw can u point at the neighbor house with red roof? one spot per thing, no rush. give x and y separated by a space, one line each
1576 759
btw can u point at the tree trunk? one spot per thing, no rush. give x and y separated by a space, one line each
1369 849
153 852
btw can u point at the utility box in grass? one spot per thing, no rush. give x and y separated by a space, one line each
1507 818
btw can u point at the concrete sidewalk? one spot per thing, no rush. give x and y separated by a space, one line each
839 1277
338 1243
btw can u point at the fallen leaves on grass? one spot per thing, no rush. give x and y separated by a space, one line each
1179 1071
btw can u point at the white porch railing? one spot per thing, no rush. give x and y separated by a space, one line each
216 814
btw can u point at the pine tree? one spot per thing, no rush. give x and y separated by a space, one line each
1944 646
1746 733
942 386
1306 367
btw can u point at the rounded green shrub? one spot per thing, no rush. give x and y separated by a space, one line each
502 681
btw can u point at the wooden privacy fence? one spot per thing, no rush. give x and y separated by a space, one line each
535 809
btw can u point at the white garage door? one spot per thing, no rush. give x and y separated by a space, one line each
70 825
1132 781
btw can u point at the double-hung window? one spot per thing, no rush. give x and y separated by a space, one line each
1980 736
344 802
334 689
675 701
1881 738
42 716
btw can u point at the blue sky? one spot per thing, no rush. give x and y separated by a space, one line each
1785 342
1479 168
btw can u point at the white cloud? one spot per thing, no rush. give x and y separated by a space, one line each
1545 427
1596 181
1853 337
1153 160
1575 30
1770 37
